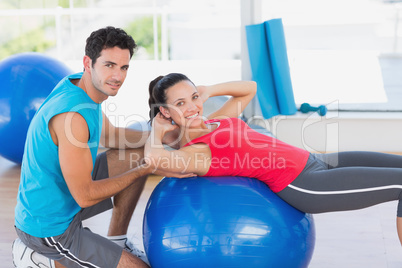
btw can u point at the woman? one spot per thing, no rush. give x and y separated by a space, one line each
225 145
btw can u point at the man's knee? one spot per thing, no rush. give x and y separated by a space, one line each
128 157
129 260
136 157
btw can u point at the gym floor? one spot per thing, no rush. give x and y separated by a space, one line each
355 239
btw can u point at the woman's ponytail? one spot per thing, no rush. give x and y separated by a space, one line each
153 102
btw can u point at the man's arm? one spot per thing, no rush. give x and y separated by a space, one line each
70 133
121 138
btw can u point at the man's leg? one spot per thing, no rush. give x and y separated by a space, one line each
120 161
76 247
129 260
126 260
30 258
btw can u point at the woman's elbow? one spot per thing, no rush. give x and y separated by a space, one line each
253 87
151 160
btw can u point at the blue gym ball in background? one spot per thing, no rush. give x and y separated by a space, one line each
26 81
224 222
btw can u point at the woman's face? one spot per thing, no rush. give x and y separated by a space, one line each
184 105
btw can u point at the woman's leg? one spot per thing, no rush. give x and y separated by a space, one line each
359 180
360 158
371 159
343 189
399 228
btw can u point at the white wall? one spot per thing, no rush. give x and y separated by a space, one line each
341 131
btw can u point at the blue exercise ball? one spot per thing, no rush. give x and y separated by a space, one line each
27 79
224 222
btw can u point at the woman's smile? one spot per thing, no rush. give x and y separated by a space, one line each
192 116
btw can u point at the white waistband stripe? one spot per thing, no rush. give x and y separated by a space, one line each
345 191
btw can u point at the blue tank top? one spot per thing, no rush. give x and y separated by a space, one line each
45 206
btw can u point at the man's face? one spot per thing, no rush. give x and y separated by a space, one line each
110 70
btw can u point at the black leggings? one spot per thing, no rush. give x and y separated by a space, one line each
346 181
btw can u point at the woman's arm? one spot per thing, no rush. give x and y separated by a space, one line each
241 92
191 159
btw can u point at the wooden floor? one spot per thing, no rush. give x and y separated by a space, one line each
363 238
9 179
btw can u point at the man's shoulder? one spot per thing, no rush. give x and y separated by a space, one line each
67 82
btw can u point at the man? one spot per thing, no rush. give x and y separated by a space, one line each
64 181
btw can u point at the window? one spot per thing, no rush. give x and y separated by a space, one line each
198 38
346 52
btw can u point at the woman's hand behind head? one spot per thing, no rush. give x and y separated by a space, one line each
161 123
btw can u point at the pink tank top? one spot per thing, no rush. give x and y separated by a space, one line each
238 150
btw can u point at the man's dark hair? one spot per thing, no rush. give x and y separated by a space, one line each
108 37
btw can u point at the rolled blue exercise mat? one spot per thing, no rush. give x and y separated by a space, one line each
270 68
280 66
261 69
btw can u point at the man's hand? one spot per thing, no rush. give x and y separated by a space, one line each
179 175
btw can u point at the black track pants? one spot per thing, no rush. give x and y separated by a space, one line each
346 181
